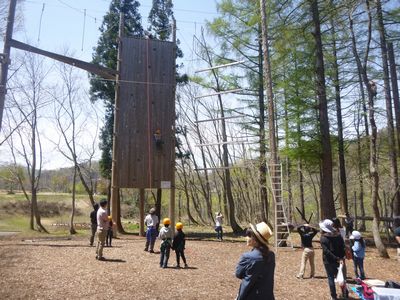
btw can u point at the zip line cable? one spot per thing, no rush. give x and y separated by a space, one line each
40 22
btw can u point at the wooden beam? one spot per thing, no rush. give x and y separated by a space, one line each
103 72
5 58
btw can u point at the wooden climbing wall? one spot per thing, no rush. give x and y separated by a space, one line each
146 104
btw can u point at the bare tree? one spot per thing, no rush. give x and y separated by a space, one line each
372 92
27 98
71 117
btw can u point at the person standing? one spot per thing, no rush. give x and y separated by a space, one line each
102 227
166 236
358 254
93 222
179 245
349 224
256 268
307 233
332 252
218 225
151 221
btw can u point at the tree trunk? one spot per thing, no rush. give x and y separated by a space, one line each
326 193
342 164
263 148
395 92
373 171
360 171
71 222
389 113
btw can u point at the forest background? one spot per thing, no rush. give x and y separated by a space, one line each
332 90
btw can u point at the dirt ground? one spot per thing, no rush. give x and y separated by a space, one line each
61 268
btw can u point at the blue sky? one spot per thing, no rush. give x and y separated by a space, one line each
58 25
54 25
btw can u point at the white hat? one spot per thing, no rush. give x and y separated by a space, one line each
262 232
355 235
326 226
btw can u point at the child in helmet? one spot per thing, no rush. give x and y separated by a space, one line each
179 245
166 236
109 232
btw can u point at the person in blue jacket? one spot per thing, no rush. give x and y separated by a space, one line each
256 268
358 247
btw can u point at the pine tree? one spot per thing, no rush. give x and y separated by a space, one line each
105 54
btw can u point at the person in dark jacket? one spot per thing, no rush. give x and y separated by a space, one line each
307 233
332 252
93 222
179 245
256 268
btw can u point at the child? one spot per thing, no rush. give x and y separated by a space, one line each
358 254
109 232
166 236
179 245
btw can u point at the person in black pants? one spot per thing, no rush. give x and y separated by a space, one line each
307 233
93 222
179 245
332 252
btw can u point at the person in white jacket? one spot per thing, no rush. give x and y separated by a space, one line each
166 235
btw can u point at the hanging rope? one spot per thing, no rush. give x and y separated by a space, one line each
40 23
84 25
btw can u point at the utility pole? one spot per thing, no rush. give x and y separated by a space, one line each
115 205
172 191
5 56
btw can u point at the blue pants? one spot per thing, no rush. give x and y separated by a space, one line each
164 253
151 235
359 265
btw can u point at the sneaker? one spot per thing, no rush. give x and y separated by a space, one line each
177 266
151 251
145 249
299 277
101 258
164 267
186 266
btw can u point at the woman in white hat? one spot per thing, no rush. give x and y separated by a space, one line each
333 252
256 268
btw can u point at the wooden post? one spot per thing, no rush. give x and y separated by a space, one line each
114 182
172 194
141 212
5 59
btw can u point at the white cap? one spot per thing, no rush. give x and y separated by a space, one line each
355 235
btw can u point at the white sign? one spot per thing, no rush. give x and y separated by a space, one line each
165 184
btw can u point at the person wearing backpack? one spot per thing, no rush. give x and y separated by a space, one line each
358 248
333 253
